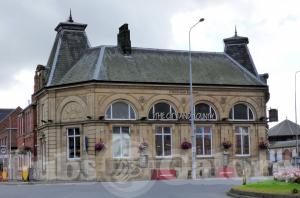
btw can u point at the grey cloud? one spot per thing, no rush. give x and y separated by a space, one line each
27 27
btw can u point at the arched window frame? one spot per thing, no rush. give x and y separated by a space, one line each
170 111
211 107
130 107
249 108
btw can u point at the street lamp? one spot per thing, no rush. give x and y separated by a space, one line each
192 107
297 144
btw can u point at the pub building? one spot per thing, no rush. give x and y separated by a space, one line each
116 112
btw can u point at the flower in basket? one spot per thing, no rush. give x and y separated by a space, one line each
185 145
99 146
226 144
143 146
263 144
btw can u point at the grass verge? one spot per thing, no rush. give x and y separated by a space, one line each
270 187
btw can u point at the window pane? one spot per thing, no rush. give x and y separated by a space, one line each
230 114
132 114
77 147
70 132
199 145
120 110
202 108
167 130
162 107
207 144
167 145
250 114
207 130
200 130
116 143
158 145
246 144
116 130
238 141
71 147
240 112
77 131
108 113
173 115
158 130
125 141
150 115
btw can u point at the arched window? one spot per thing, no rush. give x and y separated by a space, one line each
241 112
162 111
205 111
120 111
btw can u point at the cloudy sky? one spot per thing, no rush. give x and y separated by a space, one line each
273 27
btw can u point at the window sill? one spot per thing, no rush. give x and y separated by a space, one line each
163 157
74 159
245 156
204 156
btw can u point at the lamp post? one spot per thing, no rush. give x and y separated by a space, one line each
192 106
297 144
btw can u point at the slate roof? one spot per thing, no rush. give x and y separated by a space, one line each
284 128
69 45
283 144
107 63
5 112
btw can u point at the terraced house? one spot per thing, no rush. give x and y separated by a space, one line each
115 112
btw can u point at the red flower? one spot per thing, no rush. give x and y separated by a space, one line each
185 145
263 144
99 146
226 144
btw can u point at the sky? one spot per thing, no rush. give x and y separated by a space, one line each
272 26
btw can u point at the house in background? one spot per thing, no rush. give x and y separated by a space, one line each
282 138
26 138
8 137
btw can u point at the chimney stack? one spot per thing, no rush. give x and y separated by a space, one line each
124 42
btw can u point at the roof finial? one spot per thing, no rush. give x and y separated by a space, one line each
70 17
235 32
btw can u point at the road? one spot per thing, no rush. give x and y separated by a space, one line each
146 189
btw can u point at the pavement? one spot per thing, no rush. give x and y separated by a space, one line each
207 188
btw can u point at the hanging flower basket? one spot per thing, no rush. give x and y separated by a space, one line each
143 146
226 144
263 144
185 145
99 146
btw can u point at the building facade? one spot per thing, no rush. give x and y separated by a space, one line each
27 138
283 142
8 140
112 113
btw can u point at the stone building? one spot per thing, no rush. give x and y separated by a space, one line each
283 142
119 112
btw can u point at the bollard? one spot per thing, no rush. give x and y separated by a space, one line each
25 174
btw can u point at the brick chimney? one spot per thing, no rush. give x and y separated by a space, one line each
124 42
